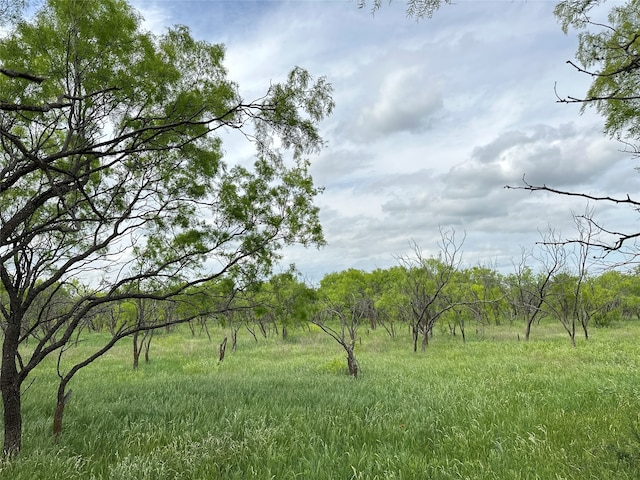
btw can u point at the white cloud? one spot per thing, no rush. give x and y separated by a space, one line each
408 100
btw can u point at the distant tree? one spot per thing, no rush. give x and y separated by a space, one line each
630 297
352 286
528 290
562 302
603 297
111 171
386 291
341 320
288 300
426 287
488 291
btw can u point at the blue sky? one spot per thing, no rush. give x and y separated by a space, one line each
432 120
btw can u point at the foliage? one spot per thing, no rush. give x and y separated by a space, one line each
611 55
417 9
286 299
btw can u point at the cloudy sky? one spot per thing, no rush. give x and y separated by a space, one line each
432 120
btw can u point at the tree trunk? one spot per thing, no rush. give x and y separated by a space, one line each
352 363
234 339
222 350
57 419
62 400
414 333
527 333
425 336
136 351
12 419
10 386
584 322
148 335
262 329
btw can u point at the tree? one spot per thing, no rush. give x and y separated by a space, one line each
609 54
487 289
286 299
530 291
426 286
350 313
351 287
111 172
563 303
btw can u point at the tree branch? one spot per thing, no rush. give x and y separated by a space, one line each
24 75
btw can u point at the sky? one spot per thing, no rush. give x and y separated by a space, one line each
432 120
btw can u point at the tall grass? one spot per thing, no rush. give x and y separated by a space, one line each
493 408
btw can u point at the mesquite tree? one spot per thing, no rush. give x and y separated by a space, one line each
426 287
112 174
609 53
341 321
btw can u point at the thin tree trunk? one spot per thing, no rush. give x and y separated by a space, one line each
352 363
62 400
136 351
527 332
222 350
148 335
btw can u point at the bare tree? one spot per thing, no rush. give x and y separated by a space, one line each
425 286
530 290
350 317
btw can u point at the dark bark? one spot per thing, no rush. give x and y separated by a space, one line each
136 351
222 350
148 336
352 362
62 400
10 383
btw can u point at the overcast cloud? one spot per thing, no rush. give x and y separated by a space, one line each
432 120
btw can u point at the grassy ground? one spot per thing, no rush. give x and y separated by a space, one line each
493 408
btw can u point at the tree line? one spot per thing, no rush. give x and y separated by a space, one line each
411 300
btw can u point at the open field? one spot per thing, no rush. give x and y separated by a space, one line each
493 408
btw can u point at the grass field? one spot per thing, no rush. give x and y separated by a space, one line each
493 408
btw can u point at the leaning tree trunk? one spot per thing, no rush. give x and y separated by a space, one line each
10 386
222 350
352 363
62 400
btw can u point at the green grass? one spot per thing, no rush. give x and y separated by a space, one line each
493 408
